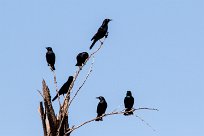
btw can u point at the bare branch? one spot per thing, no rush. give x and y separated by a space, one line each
108 114
147 109
48 108
55 82
67 98
146 123
43 117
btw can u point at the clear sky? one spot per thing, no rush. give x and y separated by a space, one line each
155 49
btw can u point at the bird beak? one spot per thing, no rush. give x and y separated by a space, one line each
97 97
46 47
111 20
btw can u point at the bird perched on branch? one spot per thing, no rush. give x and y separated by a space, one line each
64 89
102 31
101 108
50 57
81 58
128 102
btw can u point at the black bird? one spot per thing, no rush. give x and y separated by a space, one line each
64 89
50 57
102 31
81 58
101 108
128 102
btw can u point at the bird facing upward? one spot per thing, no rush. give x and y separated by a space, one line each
101 108
128 102
102 31
50 57
81 58
64 89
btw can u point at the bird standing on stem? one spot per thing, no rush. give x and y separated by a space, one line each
81 58
64 89
50 57
128 102
102 31
101 108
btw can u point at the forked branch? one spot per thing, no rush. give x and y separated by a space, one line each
89 72
66 104
108 114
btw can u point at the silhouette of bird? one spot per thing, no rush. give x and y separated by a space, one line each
101 108
50 57
81 58
102 31
64 89
128 102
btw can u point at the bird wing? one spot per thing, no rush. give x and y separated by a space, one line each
63 89
50 57
104 107
100 33
79 58
101 108
128 102
131 102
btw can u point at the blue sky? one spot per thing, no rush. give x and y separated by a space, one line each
155 49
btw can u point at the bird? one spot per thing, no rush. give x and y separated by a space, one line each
81 58
50 57
128 102
102 31
64 89
101 108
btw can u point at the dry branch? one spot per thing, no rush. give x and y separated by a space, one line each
49 109
55 82
65 104
43 117
146 123
108 114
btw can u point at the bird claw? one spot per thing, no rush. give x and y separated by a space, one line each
101 41
106 36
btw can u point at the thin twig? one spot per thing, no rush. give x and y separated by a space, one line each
90 70
41 94
145 122
147 109
55 82
107 114
65 103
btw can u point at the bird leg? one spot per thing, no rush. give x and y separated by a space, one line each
101 42
106 35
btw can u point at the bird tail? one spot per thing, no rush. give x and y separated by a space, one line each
92 44
99 119
55 98
128 112
78 64
53 67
